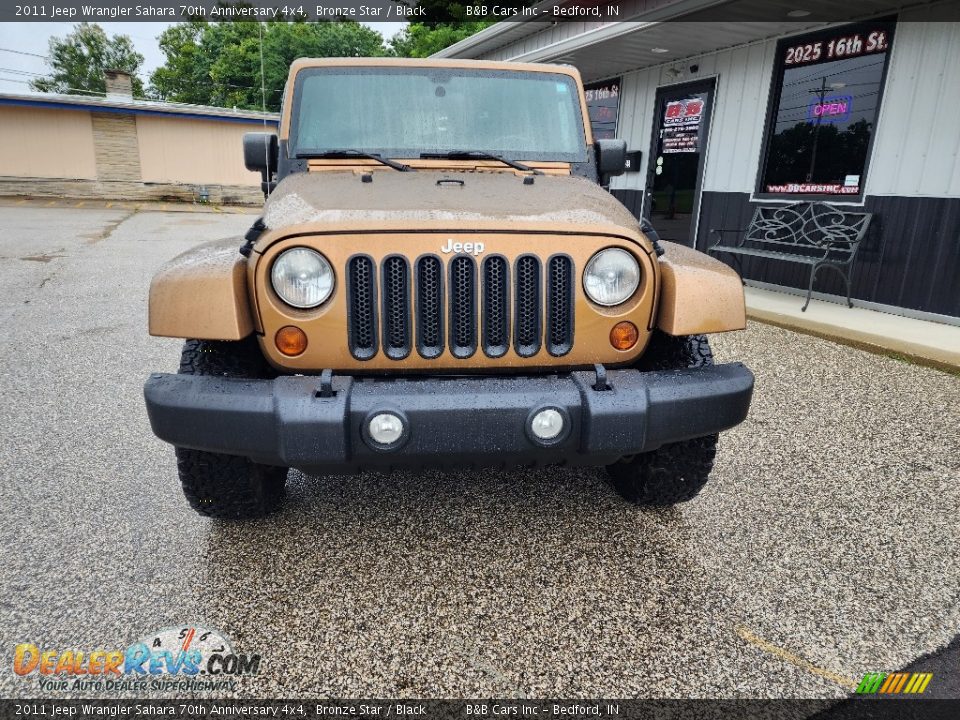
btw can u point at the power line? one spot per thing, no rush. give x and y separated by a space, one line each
70 90
142 74
20 72
847 69
24 52
15 71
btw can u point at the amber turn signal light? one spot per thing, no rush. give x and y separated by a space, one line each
624 335
291 340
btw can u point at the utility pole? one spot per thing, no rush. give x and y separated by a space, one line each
821 94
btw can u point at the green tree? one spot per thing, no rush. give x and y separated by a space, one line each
421 40
447 23
219 63
185 77
79 60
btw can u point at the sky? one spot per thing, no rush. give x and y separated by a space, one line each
24 45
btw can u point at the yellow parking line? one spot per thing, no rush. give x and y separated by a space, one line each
109 205
216 209
794 659
80 204
51 203
20 202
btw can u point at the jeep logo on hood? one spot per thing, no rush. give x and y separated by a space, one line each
471 248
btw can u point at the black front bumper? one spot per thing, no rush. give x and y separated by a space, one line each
451 422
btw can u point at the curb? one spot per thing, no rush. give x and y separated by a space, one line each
938 359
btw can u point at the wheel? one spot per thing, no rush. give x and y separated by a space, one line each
229 359
227 486
676 472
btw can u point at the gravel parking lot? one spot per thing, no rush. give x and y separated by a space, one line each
825 546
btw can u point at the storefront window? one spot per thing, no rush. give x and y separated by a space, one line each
825 107
603 102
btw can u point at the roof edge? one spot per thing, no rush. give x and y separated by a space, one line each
98 103
492 32
671 11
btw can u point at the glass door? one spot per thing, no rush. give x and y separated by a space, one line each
675 170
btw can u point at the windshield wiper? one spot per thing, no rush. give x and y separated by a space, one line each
355 154
481 155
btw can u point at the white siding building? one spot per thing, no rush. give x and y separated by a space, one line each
854 104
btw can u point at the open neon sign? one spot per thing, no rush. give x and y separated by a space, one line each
830 109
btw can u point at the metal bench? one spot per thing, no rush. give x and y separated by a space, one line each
815 234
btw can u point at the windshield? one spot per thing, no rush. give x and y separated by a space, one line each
404 112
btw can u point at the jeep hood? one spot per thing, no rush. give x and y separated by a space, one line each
458 200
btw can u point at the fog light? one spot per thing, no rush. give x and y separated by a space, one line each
385 428
624 335
547 424
291 340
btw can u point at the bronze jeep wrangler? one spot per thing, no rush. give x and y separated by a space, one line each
439 278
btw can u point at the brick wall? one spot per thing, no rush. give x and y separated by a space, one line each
127 190
115 146
92 154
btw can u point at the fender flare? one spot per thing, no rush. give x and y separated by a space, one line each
699 294
202 294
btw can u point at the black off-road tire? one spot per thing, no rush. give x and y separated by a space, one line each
666 352
242 358
228 486
676 472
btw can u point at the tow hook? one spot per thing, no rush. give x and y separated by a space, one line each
326 384
601 381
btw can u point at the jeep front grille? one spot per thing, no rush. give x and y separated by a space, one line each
464 306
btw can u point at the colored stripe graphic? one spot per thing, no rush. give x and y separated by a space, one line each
871 683
894 683
918 683
901 682
893 680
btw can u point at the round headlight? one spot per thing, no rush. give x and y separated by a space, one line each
611 276
302 277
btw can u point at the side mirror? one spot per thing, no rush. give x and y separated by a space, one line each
611 157
260 153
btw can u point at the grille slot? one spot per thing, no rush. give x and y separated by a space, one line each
559 305
463 300
395 275
429 306
496 306
527 322
361 308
